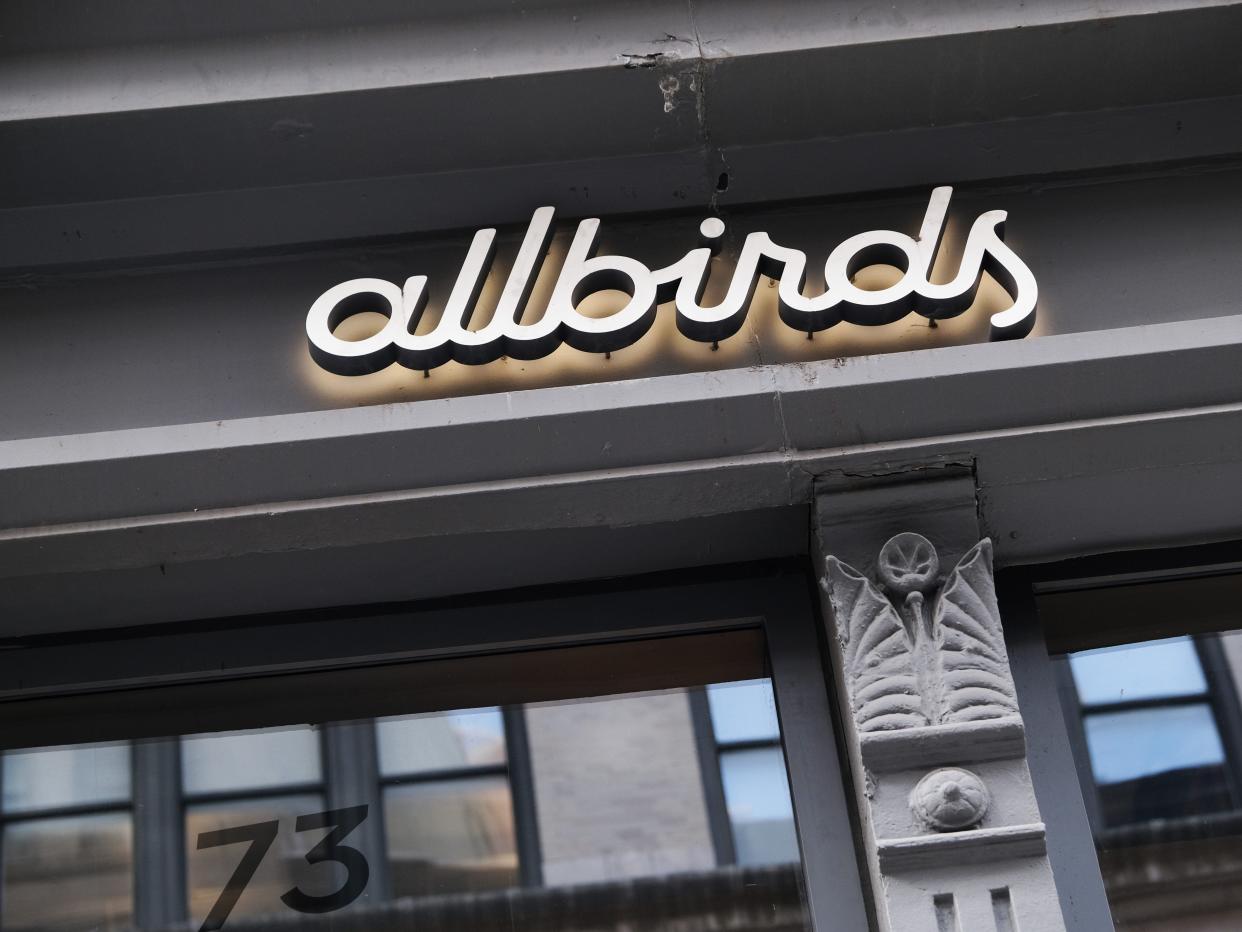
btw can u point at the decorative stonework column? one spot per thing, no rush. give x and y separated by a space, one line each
953 835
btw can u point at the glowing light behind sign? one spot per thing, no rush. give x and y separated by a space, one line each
583 273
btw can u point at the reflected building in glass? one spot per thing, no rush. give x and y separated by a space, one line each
1156 726
643 811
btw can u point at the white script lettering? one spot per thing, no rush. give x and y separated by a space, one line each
683 283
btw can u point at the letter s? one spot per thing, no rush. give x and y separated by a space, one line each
1012 274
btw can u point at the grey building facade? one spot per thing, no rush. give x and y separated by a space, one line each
905 611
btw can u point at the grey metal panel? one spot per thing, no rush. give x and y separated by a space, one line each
726 598
392 571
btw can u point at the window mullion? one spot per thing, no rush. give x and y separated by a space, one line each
1226 710
814 767
159 834
522 792
3 824
713 785
1076 732
351 778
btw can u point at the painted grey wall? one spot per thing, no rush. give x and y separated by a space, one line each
164 132
222 340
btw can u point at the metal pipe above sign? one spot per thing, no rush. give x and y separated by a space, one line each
683 283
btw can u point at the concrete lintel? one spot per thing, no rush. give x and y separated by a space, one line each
981 846
967 743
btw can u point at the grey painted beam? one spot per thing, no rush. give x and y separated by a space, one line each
241 140
761 419
437 498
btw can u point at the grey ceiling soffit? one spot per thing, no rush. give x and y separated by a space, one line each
235 136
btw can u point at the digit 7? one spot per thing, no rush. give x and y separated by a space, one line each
260 835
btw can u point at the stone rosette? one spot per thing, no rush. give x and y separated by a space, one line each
950 800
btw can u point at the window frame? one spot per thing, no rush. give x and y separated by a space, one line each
516 769
1219 695
711 753
127 806
1083 602
65 675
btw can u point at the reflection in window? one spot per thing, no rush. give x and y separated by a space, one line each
282 868
760 810
569 814
1150 731
450 836
618 789
1153 725
242 778
448 815
67 839
752 767
1131 672
52 778
743 711
442 741
249 760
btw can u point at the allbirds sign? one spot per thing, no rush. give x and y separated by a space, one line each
518 331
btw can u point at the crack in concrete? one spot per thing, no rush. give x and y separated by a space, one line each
715 165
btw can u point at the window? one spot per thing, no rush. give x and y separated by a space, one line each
562 786
746 736
1152 737
448 814
1156 727
248 778
67 838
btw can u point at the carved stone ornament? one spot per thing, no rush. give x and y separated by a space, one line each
950 799
928 650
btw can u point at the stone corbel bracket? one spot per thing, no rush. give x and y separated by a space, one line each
937 730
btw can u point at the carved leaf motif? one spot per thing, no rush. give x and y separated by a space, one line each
877 656
974 681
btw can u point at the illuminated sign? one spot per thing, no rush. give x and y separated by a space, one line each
583 273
